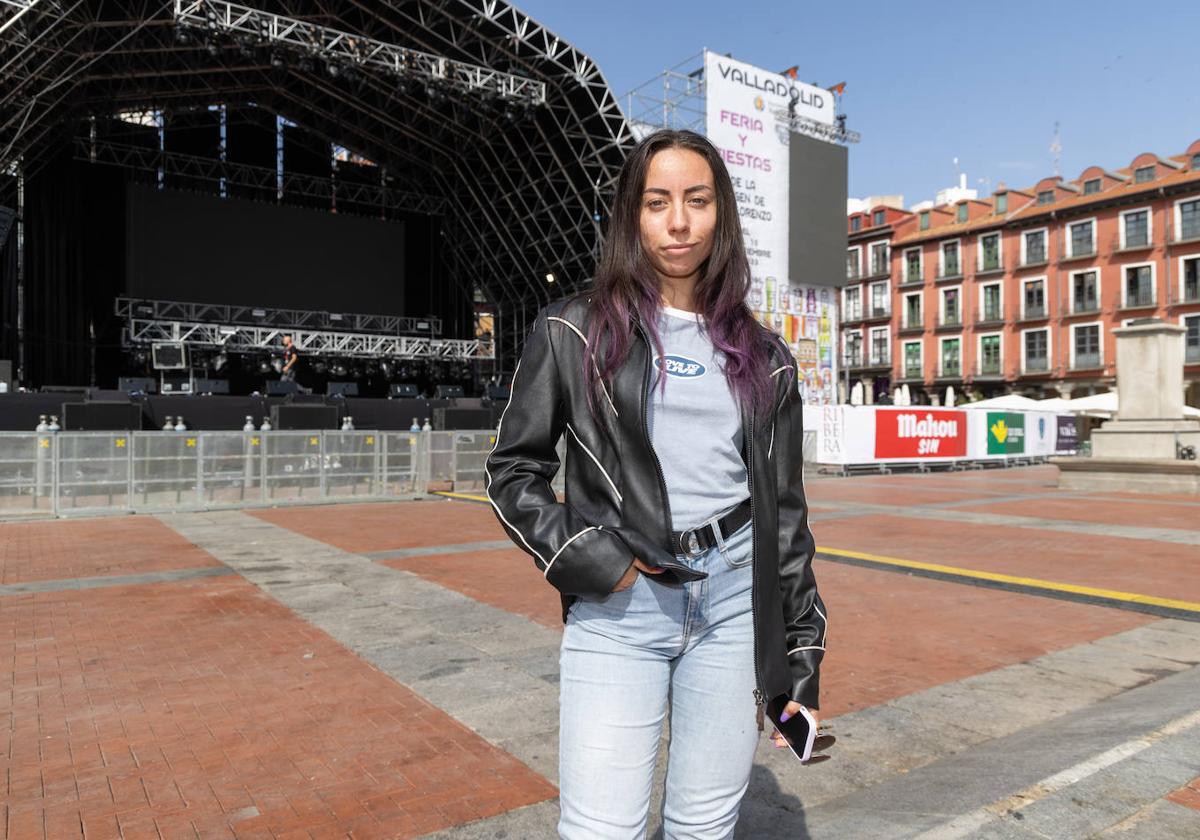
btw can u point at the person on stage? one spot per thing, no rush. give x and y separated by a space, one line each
290 357
682 551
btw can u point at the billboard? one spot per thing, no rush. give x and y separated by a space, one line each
920 433
1006 433
746 119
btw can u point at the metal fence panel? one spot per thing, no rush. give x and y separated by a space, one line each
231 469
471 449
94 472
166 470
26 473
292 467
352 464
401 460
440 458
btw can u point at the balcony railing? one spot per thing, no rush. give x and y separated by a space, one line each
1141 298
1079 253
1086 361
1136 242
989 368
950 272
1036 258
1034 312
854 314
912 277
1191 355
990 316
853 360
1037 364
880 312
882 360
913 324
950 321
1189 294
951 369
986 265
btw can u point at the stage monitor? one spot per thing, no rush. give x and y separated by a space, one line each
170 355
341 389
403 389
211 386
281 387
145 384
101 416
448 392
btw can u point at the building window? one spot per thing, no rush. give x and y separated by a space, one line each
925 220
912 268
1035 298
1045 197
1191 280
962 213
1135 229
878 220
1081 238
991 303
1091 186
1191 343
989 252
1035 247
951 356
989 355
912 310
879 258
950 266
1196 161
880 347
912 359
1002 203
1037 351
1143 174
1087 346
855 224
951 315
852 304
852 264
1139 285
1189 219
854 349
880 303
1086 292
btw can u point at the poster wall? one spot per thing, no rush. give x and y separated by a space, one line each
744 105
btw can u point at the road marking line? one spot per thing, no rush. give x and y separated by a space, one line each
998 810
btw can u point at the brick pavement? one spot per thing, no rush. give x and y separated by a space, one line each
204 708
1111 511
54 550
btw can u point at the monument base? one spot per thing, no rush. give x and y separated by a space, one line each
1133 475
1139 439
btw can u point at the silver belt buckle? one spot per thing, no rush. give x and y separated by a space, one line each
690 543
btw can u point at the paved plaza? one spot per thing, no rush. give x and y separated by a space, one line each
1006 660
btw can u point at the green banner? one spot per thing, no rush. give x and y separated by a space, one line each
1006 433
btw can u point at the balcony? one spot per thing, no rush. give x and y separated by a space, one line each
1187 233
991 369
950 370
1143 299
1034 313
852 316
883 360
877 313
1133 242
912 278
991 317
1036 364
878 272
912 325
1191 355
915 373
1087 361
950 272
986 266
950 323
852 360
1035 259
1189 294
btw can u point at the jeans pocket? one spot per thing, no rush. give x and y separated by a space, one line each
739 547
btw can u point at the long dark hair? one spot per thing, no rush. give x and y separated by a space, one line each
626 284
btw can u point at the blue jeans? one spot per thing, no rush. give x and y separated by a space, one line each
623 658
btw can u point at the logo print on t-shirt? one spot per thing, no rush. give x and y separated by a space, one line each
680 366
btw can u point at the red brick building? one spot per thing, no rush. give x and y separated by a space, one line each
1020 292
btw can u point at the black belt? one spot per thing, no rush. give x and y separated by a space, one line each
703 537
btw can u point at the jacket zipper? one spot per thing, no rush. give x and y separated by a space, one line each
758 693
662 482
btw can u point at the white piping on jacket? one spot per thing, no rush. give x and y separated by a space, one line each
596 461
546 573
487 486
595 367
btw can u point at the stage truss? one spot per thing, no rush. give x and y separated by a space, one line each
522 146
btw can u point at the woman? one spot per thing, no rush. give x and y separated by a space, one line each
682 550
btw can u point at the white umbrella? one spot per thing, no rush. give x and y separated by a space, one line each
907 396
950 396
856 394
1007 401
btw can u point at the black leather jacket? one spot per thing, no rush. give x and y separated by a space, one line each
616 504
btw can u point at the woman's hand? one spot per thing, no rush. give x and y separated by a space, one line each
631 574
822 742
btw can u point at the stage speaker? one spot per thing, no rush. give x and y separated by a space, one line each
448 392
403 389
212 386
145 384
169 355
341 389
279 388
304 416
445 419
101 416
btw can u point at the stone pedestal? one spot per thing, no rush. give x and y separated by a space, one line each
1139 449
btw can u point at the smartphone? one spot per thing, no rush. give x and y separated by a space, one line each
800 730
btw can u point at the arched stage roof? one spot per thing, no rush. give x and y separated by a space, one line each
520 196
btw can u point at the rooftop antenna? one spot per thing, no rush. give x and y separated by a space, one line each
1056 149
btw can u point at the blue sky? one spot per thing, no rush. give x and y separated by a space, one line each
927 82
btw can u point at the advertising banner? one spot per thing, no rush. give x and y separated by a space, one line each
920 433
743 108
1040 432
1006 433
1068 434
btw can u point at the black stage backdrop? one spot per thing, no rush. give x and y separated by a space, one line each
205 249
